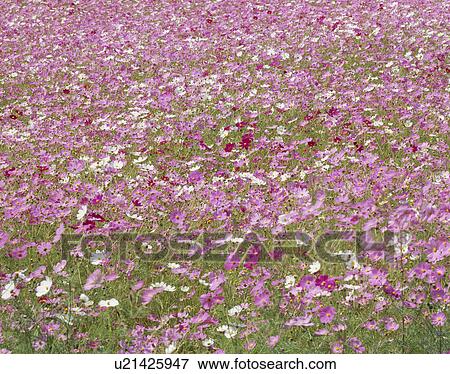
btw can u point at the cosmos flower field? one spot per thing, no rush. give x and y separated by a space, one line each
169 170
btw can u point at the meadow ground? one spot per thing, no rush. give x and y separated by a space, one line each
224 176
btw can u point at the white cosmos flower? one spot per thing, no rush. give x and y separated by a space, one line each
135 216
117 164
21 275
146 167
222 328
208 342
285 219
235 310
253 179
353 263
401 243
314 267
223 133
172 265
82 212
85 299
185 288
140 159
180 91
289 281
8 290
301 241
229 331
164 286
108 303
351 286
66 318
44 287
281 106
77 310
281 130
171 348
97 257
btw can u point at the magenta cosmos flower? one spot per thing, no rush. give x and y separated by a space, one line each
229 147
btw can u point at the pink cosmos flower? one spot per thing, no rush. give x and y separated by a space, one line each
356 345
38 273
438 319
216 280
44 248
177 217
111 277
300 321
4 237
139 284
59 231
211 299
436 253
195 177
321 332
75 166
273 341
340 327
422 270
306 282
252 257
391 291
391 325
94 280
19 253
326 314
337 347
97 199
59 267
51 328
39 345
377 277
262 298
370 325
149 293
232 262
250 345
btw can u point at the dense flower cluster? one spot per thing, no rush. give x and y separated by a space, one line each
224 116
